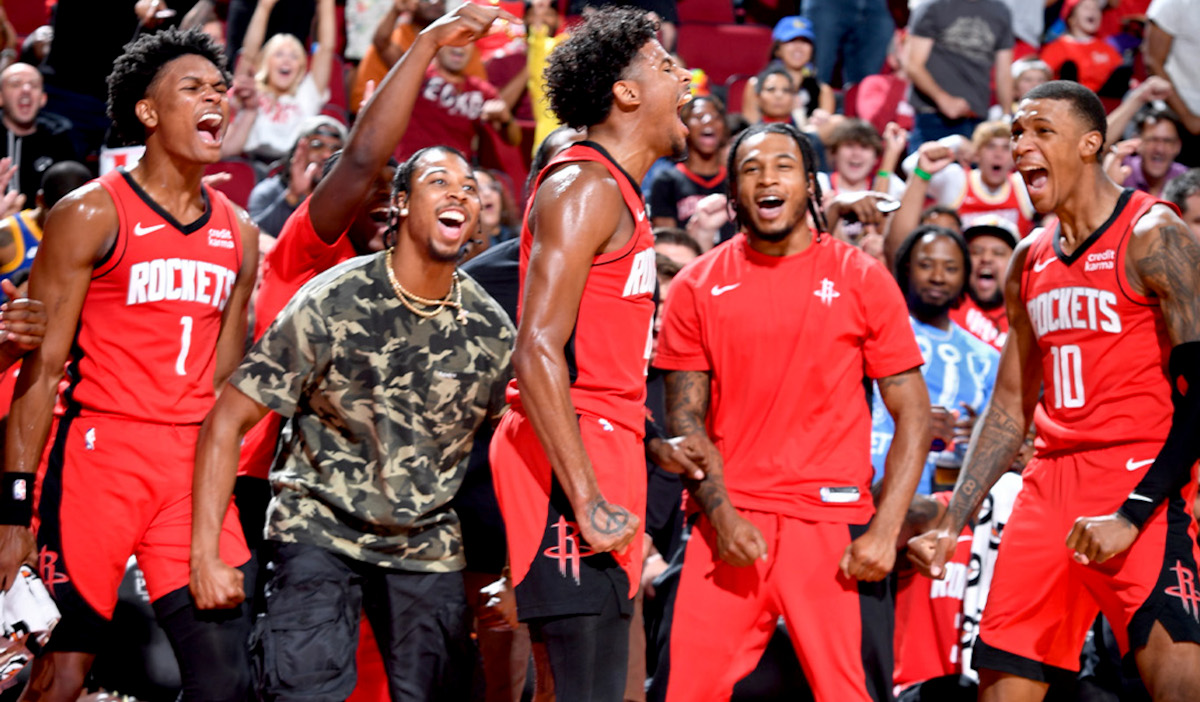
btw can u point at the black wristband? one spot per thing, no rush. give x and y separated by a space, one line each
16 498
1172 469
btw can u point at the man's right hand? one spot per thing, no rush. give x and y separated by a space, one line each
17 547
607 526
954 107
216 585
465 24
933 156
930 551
739 542
689 456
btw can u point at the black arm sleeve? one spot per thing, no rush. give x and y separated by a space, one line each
1172 468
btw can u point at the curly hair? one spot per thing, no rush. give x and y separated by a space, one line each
580 73
137 69
807 153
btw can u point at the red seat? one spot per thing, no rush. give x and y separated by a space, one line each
241 181
714 11
724 50
737 90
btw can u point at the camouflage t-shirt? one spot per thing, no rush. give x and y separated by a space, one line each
384 405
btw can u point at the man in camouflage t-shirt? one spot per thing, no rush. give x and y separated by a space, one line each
383 390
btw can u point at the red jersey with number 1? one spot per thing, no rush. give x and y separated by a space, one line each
147 339
1103 346
609 349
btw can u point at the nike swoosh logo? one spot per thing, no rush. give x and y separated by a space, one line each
1041 265
721 290
641 216
139 230
1140 498
1132 465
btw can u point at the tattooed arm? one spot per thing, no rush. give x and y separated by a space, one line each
999 433
1163 261
739 542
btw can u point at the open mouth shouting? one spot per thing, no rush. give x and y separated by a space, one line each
451 223
769 206
209 127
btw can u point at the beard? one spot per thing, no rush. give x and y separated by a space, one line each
923 310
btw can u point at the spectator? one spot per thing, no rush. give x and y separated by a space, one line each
32 140
1158 145
792 50
453 107
1080 55
1028 73
853 35
275 198
287 92
991 240
932 268
675 245
542 20
393 35
1172 43
203 16
862 160
675 192
1184 191
499 219
879 98
21 233
953 46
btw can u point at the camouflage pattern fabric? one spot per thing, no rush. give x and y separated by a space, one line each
383 407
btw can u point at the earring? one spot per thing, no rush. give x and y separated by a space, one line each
403 211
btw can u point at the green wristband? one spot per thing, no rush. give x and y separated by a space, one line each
883 174
922 174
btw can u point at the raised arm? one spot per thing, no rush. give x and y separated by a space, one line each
321 66
1153 88
999 433
1165 258
871 556
256 31
385 119
79 230
573 218
389 51
1156 48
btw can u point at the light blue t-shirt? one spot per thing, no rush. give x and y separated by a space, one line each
958 368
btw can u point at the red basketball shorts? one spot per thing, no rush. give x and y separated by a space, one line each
1042 602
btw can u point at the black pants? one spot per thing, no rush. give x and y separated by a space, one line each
304 648
589 653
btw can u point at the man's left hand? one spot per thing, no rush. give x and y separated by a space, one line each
870 557
1097 539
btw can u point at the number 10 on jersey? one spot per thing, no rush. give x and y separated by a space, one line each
1068 376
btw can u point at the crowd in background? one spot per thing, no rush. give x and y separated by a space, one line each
911 100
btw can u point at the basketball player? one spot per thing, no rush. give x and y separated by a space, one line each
1104 312
568 460
765 341
145 275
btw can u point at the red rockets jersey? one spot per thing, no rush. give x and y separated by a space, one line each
787 341
929 616
147 339
989 326
609 350
1010 202
1104 348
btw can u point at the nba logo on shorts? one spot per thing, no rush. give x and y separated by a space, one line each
89 439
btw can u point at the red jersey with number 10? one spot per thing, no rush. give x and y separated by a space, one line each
1104 347
609 349
147 339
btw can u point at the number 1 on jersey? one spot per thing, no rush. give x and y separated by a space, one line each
1068 376
185 344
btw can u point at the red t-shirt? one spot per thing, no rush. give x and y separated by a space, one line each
446 114
1095 58
1011 201
929 617
787 342
989 326
1103 347
299 256
146 347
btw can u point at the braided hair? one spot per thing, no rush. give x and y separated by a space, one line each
807 153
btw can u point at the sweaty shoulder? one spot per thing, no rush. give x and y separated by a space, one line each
580 200
88 217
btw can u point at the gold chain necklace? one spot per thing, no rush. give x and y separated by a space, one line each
410 300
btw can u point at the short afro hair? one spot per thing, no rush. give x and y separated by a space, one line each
580 73
1084 103
136 70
